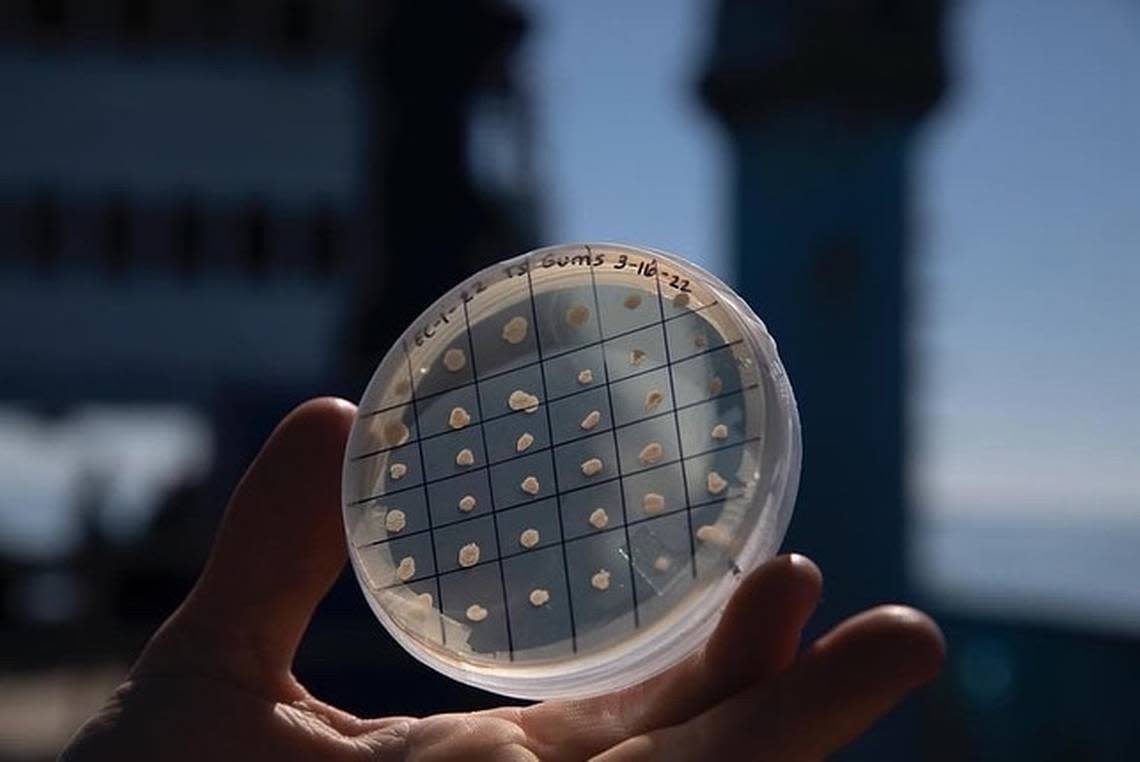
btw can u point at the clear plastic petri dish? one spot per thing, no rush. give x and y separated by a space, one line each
561 471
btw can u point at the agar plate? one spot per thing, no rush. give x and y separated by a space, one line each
561 471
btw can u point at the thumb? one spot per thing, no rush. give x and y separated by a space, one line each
278 550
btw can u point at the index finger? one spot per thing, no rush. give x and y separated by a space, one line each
279 548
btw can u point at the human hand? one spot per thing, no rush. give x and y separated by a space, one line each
214 683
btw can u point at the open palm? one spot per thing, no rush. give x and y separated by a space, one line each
215 683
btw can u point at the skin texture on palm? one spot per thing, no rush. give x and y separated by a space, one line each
215 681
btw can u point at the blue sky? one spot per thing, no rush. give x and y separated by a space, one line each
627 151
1030 188
1027 201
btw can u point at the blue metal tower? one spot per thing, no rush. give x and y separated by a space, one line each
821 99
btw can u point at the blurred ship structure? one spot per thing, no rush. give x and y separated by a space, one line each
823 101
222 209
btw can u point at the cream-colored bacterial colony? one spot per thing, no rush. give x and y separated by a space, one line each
529 538
578 315
681 300
599 518
469 554
632 302
700 341
395 433
467 503
476 613
653 399
662 563
464 457
407 569
514 330
651 453
395 520
585 376
636 357
524 441
539 597
715 483
397 470
592 466
458 418
591 420
714 534
530 485
600 580
454 359
653 503
520 400
720 431
716 386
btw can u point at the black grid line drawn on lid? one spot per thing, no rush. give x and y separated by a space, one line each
617 459
424 486
676 423
553 464
494 516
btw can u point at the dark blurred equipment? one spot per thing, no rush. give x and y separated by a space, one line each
229 207
435 85
822 99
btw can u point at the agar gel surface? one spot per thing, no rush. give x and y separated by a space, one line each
562 469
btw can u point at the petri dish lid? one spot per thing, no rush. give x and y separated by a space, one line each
561 471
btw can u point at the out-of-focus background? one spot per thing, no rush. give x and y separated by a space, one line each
210 211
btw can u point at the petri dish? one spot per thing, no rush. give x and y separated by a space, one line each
563 468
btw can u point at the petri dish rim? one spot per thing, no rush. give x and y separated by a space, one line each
685 627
